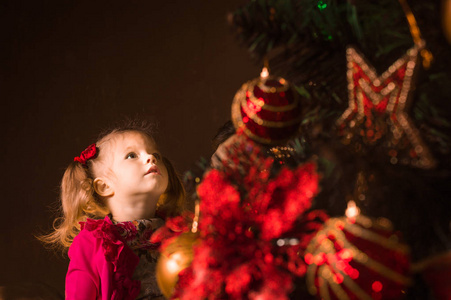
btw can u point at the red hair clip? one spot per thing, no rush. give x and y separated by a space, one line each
87 154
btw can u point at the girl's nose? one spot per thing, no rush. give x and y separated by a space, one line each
151 159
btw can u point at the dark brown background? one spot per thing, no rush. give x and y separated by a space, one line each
69 68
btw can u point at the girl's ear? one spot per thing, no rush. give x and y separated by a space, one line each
102 188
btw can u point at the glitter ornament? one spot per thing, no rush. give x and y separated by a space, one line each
267 109
357 257
377 110
174 258
255 225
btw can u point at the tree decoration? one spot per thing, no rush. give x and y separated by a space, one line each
267 109
357 258
281 153
377 107
305 39
255 235
377 104
254 226
175 257
177 240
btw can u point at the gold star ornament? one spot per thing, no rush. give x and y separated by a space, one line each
377 116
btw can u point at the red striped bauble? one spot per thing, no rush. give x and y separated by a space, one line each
357 258
267 110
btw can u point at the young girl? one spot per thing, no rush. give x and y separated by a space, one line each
114 195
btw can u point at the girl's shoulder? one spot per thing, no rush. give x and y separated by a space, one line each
90 239
94 231
101 228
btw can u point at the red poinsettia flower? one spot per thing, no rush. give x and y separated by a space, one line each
245 208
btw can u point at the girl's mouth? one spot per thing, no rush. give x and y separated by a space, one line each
153 170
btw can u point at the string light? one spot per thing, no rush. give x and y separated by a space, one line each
352 210
264 73
322 5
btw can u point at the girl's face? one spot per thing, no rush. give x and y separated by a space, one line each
136 165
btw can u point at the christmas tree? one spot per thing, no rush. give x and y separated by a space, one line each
371 153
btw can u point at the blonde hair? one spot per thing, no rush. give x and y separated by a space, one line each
79 201
172 202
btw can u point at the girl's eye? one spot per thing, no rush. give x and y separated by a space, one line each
157 155
131 155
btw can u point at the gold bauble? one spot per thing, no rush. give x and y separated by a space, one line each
176 257
446 18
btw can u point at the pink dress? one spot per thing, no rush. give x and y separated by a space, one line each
101 265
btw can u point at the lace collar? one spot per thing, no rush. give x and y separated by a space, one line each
136 234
